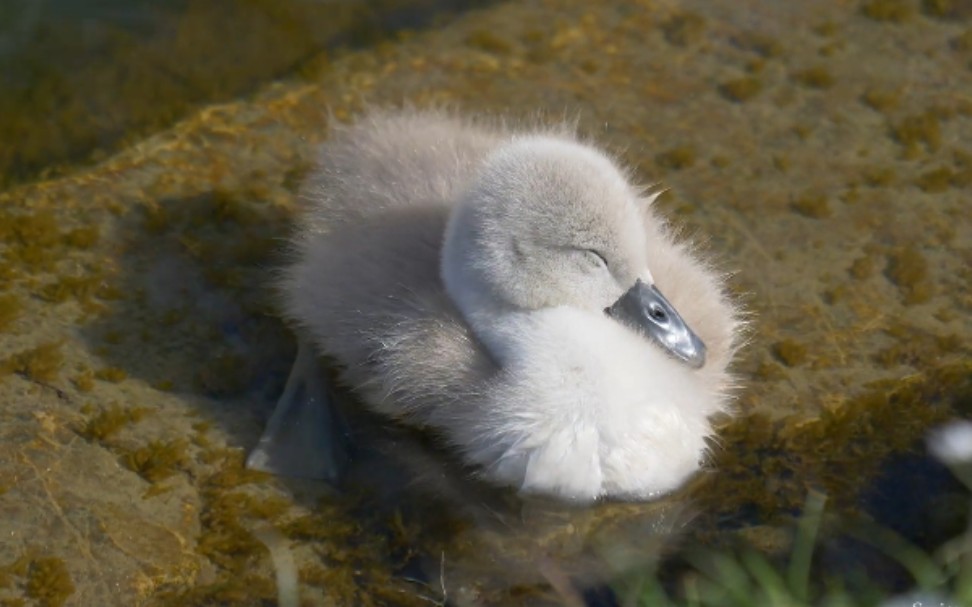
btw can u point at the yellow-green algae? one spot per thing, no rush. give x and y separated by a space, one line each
881 100
43 579
488 41
863 268
84 289
936 180
741 89
812 204
790 352
84 381
817 77
768 464
49 582
908 269
158 460
111 374
41 363
109 421
82 238
878 176
351 553
677 158
37 241
684 28
917 131
892 11
11 308
30 239
915 348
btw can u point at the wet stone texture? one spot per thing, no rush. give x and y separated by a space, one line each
818 150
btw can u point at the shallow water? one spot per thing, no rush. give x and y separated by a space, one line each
79 79
819 151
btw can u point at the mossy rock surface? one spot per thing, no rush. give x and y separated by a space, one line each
141 349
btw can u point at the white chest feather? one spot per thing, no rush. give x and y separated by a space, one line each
584 407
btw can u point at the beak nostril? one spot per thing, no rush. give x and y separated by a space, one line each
645 309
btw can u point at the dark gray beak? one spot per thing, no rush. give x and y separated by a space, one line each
645 309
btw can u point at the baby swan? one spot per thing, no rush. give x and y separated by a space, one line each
504 290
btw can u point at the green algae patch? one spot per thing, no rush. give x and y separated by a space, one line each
80 288
226 540
40 364
158 460
354 549
826 29
41 228
764 45
863 268
888 11
908 270
811 205
339 541
49 582
11 309
915 348
45 579
109 422
936 180
111 374
677 158
918 130
742 89
82 238
31 239
817 77
878 176
881 100
790 353
84 381
489 41
833 451
684 29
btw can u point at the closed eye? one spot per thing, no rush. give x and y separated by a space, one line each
596 257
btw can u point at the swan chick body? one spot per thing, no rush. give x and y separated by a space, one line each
504 290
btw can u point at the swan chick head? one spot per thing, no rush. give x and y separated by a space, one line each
551 222
547 222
